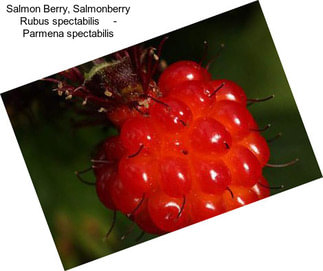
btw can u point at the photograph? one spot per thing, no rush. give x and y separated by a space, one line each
161 135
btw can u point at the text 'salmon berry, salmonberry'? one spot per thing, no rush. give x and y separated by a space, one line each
188 148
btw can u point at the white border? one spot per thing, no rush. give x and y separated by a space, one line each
245 239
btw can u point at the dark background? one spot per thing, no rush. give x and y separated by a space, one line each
54 145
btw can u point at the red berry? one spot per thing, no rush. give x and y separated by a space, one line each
175 176
103 183
188 148
227 90
204 206
258 146
175 143
245 168
171 114
166 212
136 133
180 72
144 221
196 94
236 118
208 135
261 188
121 114
137 174
240 196
113 148
195 153
123 199
213 175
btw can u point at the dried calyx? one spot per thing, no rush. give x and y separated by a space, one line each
126 81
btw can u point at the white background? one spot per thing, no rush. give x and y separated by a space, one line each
239 240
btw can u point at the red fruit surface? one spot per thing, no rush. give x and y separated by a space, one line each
137 132
123 199
194 154
175 176
208 135
121 114
171 114
166 212
213 175
137 174
113 148
258 146
262 188
204 206
103 184
144 221
179 72
196 94
245 170
235 117
241 196
227 90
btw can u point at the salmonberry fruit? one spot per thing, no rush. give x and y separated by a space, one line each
188 148
172 114
262 188
196 94
204 206
242 195
176 177
103 185
213 175
208 135
138 174
227 90
182 71
138 133
166 212
235 117
194 153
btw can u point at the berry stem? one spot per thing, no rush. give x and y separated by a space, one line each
101 161
150 58
182 207
228 188
158 101
52 80
78 175
205 50
182 122
137 152
283 165
130 230
215 57
138 110
159 50
138 206
262 129
141 235
114 219
274 138
217 89
258 100
271 187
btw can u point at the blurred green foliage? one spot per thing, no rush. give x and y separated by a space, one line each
53 148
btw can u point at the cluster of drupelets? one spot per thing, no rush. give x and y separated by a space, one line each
191 154
188 148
